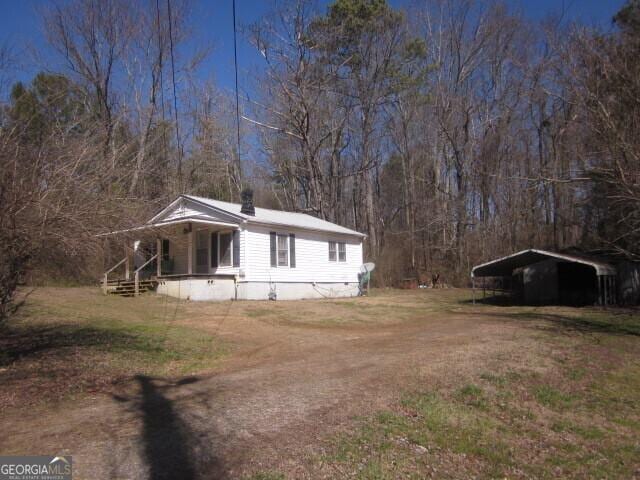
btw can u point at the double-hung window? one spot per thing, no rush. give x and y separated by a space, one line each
342 252
283 250
337 251
332 251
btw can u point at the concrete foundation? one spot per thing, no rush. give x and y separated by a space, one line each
212 289
295 290
198 288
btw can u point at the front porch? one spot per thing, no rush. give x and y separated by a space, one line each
160 254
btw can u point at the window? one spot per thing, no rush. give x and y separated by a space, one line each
342 252
283 250
224 257
332 251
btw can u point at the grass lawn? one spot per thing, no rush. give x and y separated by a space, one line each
72 341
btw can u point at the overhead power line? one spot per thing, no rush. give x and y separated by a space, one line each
175 98
235 63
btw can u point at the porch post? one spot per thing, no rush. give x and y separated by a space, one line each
190 250
126 262
159 258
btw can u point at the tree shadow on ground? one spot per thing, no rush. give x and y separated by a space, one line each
18 302
499 300
24 341
172 449
610 323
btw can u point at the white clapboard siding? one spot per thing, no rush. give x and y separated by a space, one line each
312 257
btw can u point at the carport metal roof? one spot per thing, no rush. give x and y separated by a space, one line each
503 267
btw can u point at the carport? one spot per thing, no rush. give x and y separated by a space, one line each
546 277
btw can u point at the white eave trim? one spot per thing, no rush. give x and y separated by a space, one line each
252 221
152 226
189 198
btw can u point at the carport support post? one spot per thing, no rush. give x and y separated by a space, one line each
599 278
610 290
614 289
473 289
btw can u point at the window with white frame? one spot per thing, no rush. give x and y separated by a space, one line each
283 250
342 252
332 252
225 249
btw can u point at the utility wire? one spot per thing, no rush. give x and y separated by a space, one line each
160 68
160 57
235 63
175 98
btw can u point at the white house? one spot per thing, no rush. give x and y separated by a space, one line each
202 249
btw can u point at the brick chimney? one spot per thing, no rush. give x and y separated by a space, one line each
247 202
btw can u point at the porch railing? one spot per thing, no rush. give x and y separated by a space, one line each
136 274
105 279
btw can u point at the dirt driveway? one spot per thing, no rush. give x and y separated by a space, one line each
297 373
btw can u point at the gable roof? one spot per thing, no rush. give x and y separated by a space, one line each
506 265
266 216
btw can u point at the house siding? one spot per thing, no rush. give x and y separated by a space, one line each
314 276
312 257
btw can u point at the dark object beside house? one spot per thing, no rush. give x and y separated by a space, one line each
409 283
542 277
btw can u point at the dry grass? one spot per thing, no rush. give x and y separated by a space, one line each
66 342
402 384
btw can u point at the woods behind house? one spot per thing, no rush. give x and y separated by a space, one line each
449 132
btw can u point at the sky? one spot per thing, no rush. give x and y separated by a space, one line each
20 26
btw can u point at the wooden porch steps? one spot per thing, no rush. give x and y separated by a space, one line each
127 288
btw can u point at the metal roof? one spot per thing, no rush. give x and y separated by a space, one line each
267 216
503 267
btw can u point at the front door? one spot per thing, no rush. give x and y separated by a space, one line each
202 251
